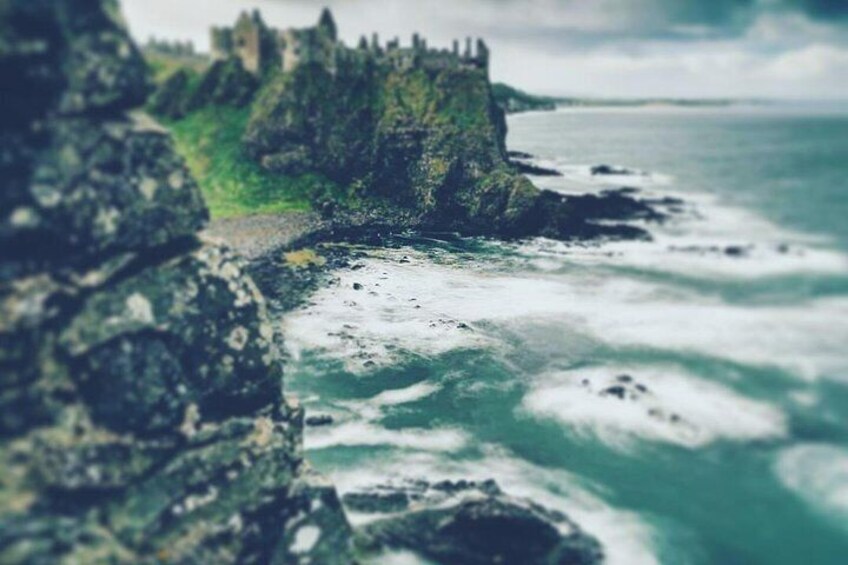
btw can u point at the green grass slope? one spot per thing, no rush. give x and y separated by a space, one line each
210 141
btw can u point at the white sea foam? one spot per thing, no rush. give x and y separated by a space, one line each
625 538
818 473
360 433
695 255
806 338
398 558
694 239
373 409
578 179
412 393
413 307
670 406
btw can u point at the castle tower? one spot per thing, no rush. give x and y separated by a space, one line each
468 53
456 48
328 25
482 53
247 40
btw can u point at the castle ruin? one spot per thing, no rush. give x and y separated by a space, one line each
260 47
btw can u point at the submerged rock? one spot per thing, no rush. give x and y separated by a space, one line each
319 420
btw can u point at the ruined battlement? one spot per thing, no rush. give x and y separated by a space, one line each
419 55
259 47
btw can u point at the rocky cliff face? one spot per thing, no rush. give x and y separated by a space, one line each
142 417
430 143
423 139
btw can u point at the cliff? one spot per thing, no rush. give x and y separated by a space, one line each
431 141
142 417
402 132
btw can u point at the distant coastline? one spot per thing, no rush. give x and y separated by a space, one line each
514 101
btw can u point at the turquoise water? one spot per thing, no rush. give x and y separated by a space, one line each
477 359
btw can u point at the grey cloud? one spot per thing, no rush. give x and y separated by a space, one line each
828 10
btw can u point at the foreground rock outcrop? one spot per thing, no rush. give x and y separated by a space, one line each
142 417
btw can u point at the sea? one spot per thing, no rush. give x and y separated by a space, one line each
683 399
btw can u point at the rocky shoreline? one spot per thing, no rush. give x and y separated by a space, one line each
272 243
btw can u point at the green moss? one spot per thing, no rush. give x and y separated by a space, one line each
232 184
447 98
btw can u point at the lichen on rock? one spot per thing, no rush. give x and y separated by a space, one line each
142 416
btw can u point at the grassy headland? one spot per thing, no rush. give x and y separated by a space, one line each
209 138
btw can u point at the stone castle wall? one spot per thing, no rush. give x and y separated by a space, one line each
320 45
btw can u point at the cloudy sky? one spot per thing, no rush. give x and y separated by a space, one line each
612 48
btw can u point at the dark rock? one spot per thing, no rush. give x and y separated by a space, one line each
102 187
624 378
328 209
641 388
611 170
530 169
357 286
495 529
587 216
157 324
319 420
735 251
630 191
376 502
489 487
518 155
617 391
467 522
